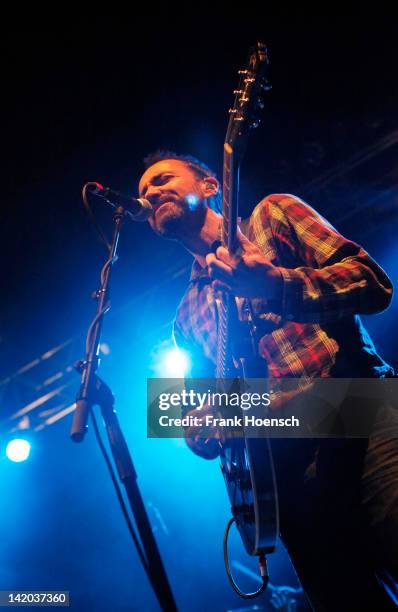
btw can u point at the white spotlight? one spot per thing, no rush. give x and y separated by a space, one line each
176 363
18 450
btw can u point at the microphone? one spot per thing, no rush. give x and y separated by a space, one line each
138 209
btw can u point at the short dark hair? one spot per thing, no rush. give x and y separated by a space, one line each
199 168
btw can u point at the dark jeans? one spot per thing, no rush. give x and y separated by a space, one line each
339 516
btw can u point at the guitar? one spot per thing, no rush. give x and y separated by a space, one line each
246 463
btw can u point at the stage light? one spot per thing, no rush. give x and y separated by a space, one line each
18 450
175 363
169 361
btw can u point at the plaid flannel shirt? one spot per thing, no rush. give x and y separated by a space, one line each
314 330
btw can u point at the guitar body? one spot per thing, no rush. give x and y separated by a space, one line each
246 463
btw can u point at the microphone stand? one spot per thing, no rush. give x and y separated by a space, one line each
93 391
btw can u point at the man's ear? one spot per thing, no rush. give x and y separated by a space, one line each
210 186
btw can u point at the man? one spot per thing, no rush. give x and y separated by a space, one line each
307 284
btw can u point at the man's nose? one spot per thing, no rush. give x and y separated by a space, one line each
152 193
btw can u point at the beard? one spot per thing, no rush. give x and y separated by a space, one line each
173 221
167 220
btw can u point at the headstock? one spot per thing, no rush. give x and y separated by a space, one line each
248 102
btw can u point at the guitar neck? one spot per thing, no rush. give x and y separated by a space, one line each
227 310
230 199
243 117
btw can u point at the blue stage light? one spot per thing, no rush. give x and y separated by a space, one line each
18 450
175 363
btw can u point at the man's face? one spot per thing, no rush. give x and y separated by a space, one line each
177 195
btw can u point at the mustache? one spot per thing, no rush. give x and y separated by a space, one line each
158 200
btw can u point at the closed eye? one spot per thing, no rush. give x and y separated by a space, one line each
159 179
162 180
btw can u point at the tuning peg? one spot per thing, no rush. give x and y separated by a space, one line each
232 111
238 91
249 80
243 100
243 72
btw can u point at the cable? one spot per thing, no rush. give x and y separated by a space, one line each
262 561
93 323
105 267
91 215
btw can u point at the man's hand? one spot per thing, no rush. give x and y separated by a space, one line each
248 275
203 441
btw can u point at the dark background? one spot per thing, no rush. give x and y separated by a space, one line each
87 101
